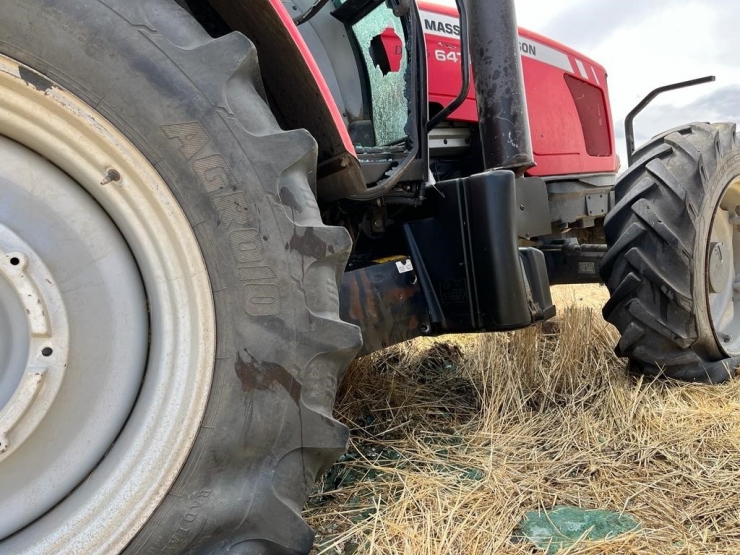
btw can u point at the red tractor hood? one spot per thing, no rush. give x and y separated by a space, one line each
567 95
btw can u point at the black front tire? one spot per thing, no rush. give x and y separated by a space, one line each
658 236
192 105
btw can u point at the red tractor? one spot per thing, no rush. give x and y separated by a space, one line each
210 206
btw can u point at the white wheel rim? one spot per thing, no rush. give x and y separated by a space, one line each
723 270
105 511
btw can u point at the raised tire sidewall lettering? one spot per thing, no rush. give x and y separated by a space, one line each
190 104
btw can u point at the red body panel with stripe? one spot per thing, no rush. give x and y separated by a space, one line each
567 95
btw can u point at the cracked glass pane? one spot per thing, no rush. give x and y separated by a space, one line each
380 38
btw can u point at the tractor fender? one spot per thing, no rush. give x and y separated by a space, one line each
300 93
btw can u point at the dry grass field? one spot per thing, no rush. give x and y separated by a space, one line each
455 439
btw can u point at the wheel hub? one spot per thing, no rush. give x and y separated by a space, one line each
723 271
39 330
86 328
720 266
14 336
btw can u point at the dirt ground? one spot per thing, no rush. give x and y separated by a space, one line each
455 439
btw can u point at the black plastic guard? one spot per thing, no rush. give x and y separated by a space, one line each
535 268
471 270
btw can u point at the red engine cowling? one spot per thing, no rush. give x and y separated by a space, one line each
567 95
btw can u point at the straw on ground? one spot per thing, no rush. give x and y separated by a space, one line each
455 439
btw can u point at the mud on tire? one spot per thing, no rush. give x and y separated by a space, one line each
192 105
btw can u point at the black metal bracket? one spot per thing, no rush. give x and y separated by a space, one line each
310 13
629 131
569 262
353 11
386 302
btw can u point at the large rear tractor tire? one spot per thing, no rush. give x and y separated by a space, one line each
170 343
673 265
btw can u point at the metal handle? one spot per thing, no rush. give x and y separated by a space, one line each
628 127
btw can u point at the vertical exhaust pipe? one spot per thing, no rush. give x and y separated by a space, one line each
499 85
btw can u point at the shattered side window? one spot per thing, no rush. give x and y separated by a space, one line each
380 38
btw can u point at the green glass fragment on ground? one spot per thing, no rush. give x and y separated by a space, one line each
561 527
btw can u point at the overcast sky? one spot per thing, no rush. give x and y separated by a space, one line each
644 44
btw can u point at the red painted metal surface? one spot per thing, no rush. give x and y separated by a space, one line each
314 69
570 123
571 126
